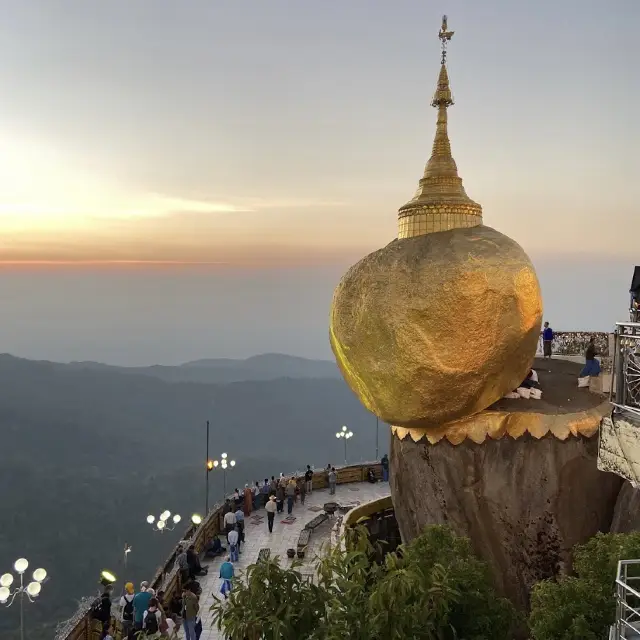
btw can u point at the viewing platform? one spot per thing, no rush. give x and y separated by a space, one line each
284 536
351 491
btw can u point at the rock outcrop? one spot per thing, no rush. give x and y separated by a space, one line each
626 515
524 503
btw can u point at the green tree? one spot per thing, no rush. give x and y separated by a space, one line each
582 607
433 589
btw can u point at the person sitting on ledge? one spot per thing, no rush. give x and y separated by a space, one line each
531 381
592 366
371 476
195 568
214 547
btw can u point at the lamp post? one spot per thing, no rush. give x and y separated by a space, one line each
32 590
162 523
224 463
209 467
127 551
345 434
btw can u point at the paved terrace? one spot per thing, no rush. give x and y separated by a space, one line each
284 536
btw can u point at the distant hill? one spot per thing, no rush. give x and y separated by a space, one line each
88 450
268 366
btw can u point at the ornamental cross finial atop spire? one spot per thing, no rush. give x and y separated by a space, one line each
444 36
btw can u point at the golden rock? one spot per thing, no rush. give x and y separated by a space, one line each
437 327
445 320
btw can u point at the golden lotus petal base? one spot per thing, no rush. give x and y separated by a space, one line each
498 424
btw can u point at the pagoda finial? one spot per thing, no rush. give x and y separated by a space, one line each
445 36
440 203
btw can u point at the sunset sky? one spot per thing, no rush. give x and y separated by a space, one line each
276 139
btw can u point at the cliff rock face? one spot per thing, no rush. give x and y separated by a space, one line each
524 503
626 515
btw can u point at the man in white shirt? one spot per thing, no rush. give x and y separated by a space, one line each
271 512
229 521
233 538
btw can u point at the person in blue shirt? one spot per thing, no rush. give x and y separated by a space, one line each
140 605
226 575
547 339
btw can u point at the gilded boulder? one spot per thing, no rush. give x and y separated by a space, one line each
438 326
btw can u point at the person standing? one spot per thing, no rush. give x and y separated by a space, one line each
385 468
226 575
190 608
126 606
229 521
102 609
182 560
256 496
291 494
240 526
547 340
271 512
308 480
333 479
140 605
233 540
280 497
151 620
248 500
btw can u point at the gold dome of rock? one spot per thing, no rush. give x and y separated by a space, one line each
443 321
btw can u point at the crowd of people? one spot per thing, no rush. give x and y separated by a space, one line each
147 614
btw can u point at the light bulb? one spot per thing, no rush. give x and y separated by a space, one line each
34 588
107 576
337 435
6 580
350 434
150 519
215 463
4 594
233 463
39 575
196 519
165 515
344 428
224 464
224 455
177 518
161 524
21 565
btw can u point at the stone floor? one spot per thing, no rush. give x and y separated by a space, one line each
284 536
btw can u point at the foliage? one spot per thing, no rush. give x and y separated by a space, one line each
433 589
582 607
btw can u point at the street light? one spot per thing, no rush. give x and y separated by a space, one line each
345 434
32 590
224 464
162 523
127 551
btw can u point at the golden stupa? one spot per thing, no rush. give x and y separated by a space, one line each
443 321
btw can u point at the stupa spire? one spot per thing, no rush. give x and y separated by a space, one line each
440 203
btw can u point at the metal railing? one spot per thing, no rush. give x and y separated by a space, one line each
627 623
627 366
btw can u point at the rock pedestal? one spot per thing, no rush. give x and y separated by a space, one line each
524 503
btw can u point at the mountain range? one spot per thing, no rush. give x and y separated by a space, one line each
88 450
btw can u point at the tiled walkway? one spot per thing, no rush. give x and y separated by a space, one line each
284 536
